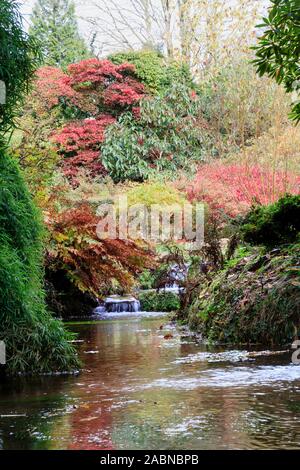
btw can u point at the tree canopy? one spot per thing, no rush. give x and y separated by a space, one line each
19 58
54 25
278 52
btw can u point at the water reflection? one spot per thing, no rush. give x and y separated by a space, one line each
142 391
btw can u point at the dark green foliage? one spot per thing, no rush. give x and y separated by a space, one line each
149 67
35 341
19 57
55 26
273 225
159 301
153 71
165 138
147 280
278 52
177 72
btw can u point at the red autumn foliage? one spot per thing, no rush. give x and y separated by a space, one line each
231 189
80 143
87 159
95 88
91 264
95 72
122 94
52 84
83 135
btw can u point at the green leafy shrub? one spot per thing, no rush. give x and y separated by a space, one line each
278 49
273 225
159 301
168 135
152 70
147 279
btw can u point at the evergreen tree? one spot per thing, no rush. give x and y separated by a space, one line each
55 26
278 51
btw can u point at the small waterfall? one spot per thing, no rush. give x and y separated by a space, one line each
118 304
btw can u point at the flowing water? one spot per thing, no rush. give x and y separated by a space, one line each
146 385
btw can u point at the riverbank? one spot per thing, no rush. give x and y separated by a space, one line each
255 299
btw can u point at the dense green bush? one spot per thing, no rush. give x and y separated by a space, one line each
273 225
35 342
152 70
168 136
147 279
159 301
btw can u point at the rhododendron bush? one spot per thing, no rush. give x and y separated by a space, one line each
231 189
167 135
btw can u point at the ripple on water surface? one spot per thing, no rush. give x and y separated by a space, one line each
231 377
147 385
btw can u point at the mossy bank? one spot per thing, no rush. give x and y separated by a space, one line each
254 299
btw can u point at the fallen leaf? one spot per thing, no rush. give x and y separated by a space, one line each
168 336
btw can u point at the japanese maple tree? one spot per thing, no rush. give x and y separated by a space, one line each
89 96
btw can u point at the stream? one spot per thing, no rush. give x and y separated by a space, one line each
147 384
